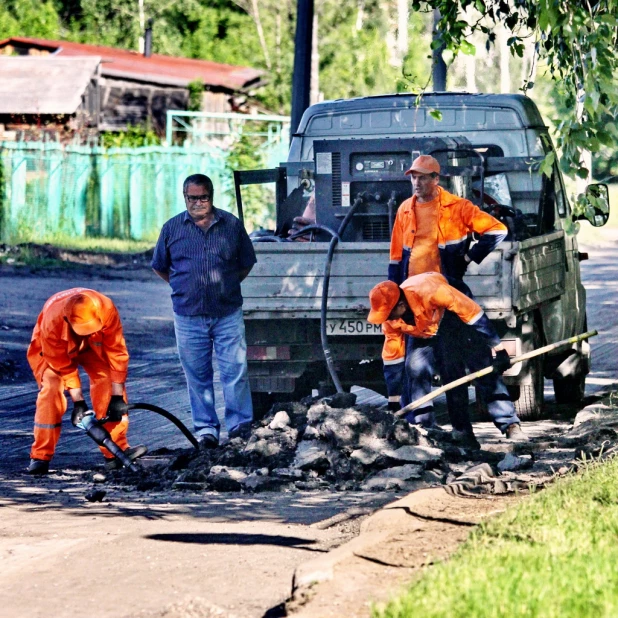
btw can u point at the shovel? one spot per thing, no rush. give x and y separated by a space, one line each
487 370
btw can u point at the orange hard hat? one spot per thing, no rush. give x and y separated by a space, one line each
424 164
383 298
81 312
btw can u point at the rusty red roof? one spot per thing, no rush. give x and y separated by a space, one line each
168 70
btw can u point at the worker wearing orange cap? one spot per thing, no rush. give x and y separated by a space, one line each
78 327
442 321
431 229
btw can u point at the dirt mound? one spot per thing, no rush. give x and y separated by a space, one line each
311 445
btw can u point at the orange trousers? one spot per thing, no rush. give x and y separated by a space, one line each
51 404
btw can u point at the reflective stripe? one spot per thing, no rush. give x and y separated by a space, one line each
394 398
395 362
496 232
454 242
407 248
395 262
476 318
46 426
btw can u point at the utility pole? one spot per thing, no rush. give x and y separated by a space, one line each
301 79
438 66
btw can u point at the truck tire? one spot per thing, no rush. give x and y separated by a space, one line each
528 399
571 389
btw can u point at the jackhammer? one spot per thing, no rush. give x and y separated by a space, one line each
95 429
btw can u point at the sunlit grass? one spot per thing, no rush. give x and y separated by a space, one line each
555 555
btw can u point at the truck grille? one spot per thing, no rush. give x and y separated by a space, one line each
336 180
376 229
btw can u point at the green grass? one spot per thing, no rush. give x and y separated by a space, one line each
99 245
555 555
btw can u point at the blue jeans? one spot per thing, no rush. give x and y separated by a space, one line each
455 348
195 336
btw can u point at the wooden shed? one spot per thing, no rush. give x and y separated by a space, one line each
132 88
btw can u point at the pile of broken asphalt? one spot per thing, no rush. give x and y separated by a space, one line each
311 445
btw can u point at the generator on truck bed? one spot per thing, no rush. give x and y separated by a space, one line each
352 155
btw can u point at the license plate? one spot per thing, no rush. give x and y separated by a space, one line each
352 327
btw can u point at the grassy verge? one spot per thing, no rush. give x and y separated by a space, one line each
555 555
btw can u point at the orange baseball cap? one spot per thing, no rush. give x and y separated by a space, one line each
81 313
383 298
424 164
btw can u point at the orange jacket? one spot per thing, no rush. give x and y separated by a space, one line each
55 345
456 218
429 295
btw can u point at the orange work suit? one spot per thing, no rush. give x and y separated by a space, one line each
457 217
54 355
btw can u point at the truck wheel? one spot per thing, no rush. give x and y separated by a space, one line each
528 399
571 389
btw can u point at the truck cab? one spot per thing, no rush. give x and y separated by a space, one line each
490 148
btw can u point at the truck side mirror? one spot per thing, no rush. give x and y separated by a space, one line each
593 205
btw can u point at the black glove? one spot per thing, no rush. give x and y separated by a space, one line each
393 406
459 267
116 409
395 273
502 362
80 409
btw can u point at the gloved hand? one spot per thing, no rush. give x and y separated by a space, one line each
393 406
501 362
394 273
459 267
80 409
116 409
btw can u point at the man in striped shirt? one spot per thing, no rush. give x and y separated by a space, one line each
204 253
440 320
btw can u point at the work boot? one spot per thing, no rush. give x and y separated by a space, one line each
133 452
242 431
38 467
208 441
465 439
515 433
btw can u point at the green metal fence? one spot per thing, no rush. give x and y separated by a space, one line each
47 189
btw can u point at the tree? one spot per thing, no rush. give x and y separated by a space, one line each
576 41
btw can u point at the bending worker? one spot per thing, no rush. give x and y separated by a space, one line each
442 321
78 327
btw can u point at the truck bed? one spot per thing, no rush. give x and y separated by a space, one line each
286 282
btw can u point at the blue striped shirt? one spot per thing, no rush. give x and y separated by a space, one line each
204 266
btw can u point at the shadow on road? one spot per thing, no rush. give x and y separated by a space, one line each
205 538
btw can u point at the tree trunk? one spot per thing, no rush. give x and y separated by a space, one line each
505 57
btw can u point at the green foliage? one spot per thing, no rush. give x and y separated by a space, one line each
134 137
30 18
258 200
553 556
196 93
576 41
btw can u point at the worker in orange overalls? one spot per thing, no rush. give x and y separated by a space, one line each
442 321
432 228
78 327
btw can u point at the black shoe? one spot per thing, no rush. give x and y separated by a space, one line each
241 431
465 439
208 441
38 467
133 452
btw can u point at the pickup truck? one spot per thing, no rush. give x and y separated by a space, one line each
490 148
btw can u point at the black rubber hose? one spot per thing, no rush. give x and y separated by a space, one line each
272 238
170 417
326 282
313 227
